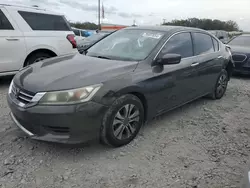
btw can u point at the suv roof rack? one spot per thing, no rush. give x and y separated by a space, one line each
23 6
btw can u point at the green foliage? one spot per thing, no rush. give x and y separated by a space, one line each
84 25
206 24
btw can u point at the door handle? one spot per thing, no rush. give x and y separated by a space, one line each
220 57
194 64
12 39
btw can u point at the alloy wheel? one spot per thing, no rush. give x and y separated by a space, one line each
126 122
222 85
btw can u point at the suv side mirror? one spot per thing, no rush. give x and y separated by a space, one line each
169 59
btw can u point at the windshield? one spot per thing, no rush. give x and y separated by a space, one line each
240 41
94 37
126 44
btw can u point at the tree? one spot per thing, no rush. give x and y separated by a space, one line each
207 24
84 25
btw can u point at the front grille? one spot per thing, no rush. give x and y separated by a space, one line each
21 95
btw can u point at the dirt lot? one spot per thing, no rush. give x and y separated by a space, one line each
203 144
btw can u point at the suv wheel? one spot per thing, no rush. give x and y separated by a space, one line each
123 121
39 56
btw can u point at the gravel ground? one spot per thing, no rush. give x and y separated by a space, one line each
203 144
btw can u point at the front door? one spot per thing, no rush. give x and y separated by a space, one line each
179 82
12 48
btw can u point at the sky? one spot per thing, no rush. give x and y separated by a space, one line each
147 12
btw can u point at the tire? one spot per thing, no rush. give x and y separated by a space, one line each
116 130
36 57
220 86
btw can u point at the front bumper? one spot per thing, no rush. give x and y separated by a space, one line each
64 124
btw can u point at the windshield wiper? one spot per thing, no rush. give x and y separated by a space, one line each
102 57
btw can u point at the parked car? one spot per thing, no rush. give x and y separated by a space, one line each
80 35
83 45
221 35
240 47
125 79
31 34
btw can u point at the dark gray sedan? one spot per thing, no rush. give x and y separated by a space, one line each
124 80
240 47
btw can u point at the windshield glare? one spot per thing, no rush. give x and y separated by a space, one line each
241 41
127 44
94 37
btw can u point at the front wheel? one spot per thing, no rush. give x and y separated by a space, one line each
220 86
123 121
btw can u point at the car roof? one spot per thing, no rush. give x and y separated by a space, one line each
166 28
20 7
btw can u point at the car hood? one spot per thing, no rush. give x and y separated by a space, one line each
240 49
70 72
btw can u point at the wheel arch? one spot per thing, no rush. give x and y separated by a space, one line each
138 92
48 51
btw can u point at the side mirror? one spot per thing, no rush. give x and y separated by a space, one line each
221 38
169 59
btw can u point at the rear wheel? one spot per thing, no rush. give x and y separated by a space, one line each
220 86
39 56
123 121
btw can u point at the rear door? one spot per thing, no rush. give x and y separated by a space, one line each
180 79
12 44
206 48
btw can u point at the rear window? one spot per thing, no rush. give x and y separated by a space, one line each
4 22
47 22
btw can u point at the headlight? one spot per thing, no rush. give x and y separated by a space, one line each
70 96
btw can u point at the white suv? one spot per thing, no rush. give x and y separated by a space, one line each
29 35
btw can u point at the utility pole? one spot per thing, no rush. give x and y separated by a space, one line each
99 14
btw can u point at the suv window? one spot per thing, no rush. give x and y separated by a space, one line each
179 44
216 44
47 22
4 22
202 43
77 32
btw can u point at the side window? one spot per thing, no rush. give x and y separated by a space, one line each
179 44
202 44
77 32
216 44
45 22
84 33
4 22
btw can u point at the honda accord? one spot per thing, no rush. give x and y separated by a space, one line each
119 83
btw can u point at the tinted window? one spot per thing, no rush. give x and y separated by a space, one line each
179 44
83 33
38 21
216 44
202 44
77 32
4 22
